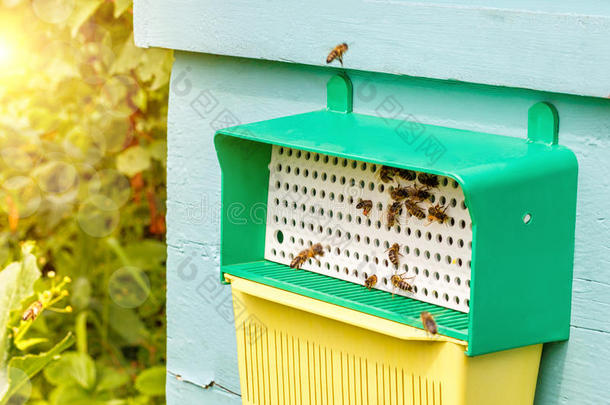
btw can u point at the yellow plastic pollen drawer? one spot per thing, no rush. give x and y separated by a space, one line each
293 349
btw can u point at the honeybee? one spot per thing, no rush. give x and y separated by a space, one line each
399 193
393 253
316 250
419 193
32 312
337 53
387 173
406 174
427 179
437 214
428 322
366 206
398 281
370 281
414 210
298 261
394 211
304 255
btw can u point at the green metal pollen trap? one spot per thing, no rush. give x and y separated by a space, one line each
521 195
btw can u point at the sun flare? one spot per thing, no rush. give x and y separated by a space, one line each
6 53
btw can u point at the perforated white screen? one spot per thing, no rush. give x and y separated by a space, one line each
312 199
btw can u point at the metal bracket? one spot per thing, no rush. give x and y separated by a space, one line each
543 123
339 94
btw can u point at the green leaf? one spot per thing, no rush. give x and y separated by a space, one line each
133 160
16 284
147 254
70 394
127 324
120 6
72 369
25 344
30 365
158 151
82 11
155 67
81 293
111 379
152 381
128 58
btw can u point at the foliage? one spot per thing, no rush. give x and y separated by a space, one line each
82 173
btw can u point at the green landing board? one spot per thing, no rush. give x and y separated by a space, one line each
353 296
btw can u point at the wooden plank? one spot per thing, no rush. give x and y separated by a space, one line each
188 392
575 372
551 46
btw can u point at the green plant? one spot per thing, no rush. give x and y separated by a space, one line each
82 173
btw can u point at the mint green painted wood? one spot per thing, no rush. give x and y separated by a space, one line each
201 344
521 272
560 46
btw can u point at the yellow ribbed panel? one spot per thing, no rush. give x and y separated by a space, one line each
291 356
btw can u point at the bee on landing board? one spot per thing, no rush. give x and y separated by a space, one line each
398 281
437 214
304 255
370 281
427 179
337 53
393 253
32 312
394 211
414 210
365 206
299 260
429 323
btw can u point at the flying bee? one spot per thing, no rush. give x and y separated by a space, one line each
32 312
428 322
406 174
370 281
394 211
414 210
427 179
366 206
304 255
419 193
316 250
393 253
399 193
398 281
337 53
387 173
437 214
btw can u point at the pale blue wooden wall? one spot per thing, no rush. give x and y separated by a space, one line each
547 45
201 343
